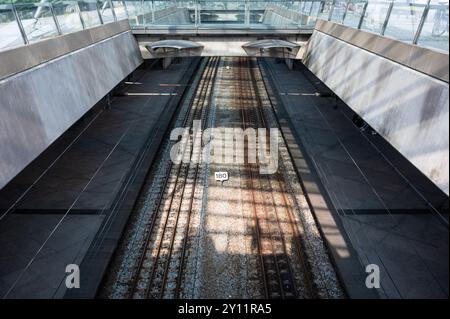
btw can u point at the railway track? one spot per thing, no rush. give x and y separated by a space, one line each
159 270
280 279
285 258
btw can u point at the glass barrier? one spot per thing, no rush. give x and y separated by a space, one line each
422 22
435 27
256 12
106 10
222 12
376 15
404 20
135 12
90 13
355 13
120 9
325 10
10 34
68 16
338 11
38 20
313 11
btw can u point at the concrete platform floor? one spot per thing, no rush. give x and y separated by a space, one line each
72 195
358 186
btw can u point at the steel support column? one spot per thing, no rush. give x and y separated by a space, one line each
20 25
363 13
422 22
388 16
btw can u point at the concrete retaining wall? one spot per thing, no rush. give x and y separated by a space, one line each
25 57
406 102
39 104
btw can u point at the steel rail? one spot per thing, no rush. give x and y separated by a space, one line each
264 124
180 270
158 206
203 116
278 259
255 214
190 115
310 286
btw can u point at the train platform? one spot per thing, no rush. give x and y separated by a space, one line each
76 197
361 191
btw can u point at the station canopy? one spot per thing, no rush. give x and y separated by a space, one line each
166 48
272 48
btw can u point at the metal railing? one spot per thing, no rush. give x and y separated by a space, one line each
25 22
422 22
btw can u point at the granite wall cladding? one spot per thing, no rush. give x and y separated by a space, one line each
408 108
41 103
